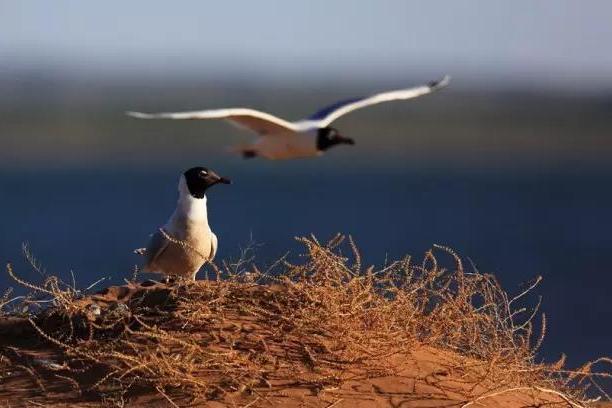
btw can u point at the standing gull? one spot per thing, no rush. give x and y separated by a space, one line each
186 242
279 139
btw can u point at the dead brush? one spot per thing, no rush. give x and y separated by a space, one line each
311 324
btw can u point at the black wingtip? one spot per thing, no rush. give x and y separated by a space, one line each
440 83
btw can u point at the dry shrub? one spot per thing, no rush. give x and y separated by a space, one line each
311 322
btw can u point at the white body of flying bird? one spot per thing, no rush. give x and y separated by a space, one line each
279 139
185 242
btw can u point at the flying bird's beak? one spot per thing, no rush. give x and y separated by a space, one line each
224 180
346 140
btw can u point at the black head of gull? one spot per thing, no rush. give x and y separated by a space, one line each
329 136
199 179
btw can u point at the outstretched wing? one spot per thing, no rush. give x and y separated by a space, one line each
259 122
332 112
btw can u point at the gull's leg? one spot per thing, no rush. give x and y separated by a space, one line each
247 151
249 154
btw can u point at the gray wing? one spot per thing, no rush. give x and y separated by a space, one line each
156 246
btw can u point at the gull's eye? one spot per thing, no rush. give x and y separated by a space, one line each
203 173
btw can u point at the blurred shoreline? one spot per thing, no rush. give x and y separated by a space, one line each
57 122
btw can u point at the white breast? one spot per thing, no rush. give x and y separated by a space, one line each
287 146
189 211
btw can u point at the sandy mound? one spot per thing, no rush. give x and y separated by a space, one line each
320 334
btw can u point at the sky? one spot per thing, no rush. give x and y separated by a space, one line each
550 41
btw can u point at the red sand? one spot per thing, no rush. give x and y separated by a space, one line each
427 377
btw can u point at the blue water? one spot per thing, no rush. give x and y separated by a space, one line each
515 224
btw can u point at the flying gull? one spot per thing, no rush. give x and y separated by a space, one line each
280 139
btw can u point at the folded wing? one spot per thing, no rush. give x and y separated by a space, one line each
156 246
327 115
259 122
